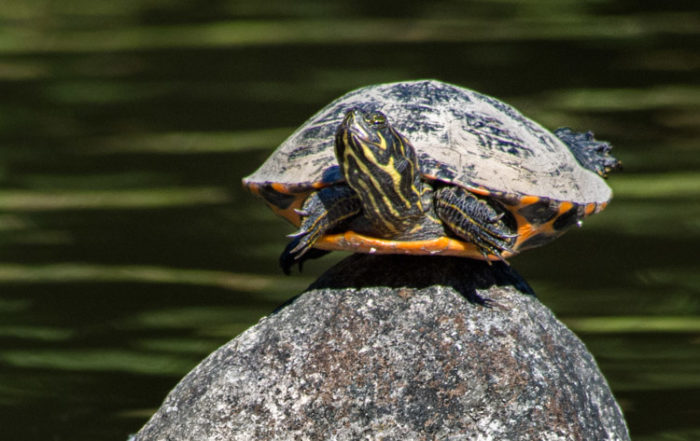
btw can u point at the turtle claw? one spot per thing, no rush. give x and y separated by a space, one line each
493 246
496 218
290 257
304 242
321 212
297 234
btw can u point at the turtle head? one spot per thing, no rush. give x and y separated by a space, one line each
370 134
382 167
367 144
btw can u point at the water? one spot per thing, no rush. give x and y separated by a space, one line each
129 250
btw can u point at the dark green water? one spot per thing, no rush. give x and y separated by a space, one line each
129 251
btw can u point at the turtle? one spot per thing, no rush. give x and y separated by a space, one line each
427 167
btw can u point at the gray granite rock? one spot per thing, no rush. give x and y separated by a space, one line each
398 348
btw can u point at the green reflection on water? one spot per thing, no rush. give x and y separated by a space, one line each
667 185
194 317
14 305
554 25
672 435
89 199
643 217
72 272
188 142
628 99
94 359
626 324
176 345
43 333
688 278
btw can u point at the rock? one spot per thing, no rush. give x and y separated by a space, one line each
398 348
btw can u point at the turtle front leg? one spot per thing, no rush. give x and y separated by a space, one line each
473 220
322 211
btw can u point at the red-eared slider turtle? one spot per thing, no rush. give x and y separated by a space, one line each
425 167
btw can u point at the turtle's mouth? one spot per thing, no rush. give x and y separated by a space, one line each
354 123
362 138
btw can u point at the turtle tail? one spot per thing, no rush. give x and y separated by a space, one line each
592 154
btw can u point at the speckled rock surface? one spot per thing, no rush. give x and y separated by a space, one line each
398 348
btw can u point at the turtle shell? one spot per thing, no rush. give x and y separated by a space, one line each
461 137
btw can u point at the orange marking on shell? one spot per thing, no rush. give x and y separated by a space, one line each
524 228
529 200
289 213
564 207
590 209
483 191
525 231
279 188
351 241
253 188
319 185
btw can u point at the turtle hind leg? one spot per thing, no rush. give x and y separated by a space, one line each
474 220
589 152
322 211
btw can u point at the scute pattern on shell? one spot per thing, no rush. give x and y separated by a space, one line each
461 137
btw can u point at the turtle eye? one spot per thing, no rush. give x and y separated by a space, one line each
376 118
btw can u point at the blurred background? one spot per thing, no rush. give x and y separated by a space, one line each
129 250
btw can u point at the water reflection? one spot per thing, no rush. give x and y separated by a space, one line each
128 249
